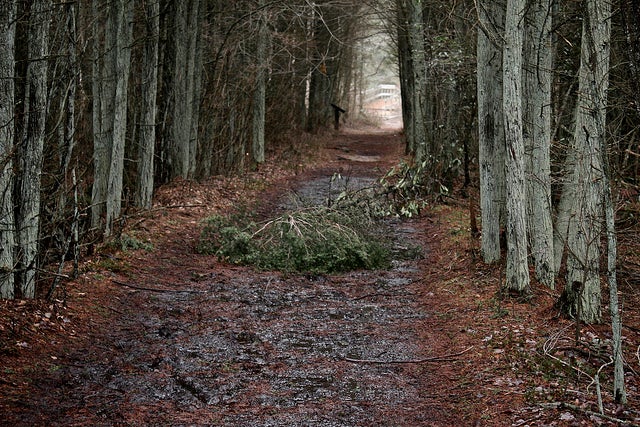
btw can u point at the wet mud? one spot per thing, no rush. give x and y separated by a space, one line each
232 346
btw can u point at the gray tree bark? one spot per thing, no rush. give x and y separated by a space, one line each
490 126
619 389
195 142
585 225
102 80
405 73
517 271
28 183
149 89
538 55
67 131
180 121
111 80
415 31
7 90
182 146
260 92
123 65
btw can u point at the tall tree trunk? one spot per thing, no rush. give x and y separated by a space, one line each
415 30
67 140
149 88
619 390
517 266
538 54
180 114
7 226
194 83
319 97
195 140
111 66
28 183
103 88
181 144
259 92
585 226
405 72
322 74
123 65
490 126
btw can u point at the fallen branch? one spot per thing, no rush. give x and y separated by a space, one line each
442 358
142 288
378 294
561 405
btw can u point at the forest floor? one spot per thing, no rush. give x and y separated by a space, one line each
153 333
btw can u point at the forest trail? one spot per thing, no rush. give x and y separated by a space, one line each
178 338
164 336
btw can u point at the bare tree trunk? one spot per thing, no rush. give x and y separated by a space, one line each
195 140
415 30
111 81
319 100
619 390
517 266
490 126
563 210
585 226
123 65
182 146
259 92
538 55
67 140
149 86
405 72
7 226
193 84
180 114
103 79
323 71
28 184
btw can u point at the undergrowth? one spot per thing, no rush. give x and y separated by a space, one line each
409 188
346 234
312 239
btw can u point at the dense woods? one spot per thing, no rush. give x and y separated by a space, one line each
104 101
530 108
534 102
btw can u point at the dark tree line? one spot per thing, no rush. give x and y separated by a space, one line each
105 100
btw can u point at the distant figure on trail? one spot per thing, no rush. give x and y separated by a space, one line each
336 116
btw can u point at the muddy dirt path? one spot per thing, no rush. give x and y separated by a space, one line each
164 336
180 339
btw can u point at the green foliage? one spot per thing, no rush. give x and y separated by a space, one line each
315 240
114 265
126 242
406 187
226 237
346 234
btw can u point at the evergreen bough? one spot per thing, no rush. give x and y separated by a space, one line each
312 240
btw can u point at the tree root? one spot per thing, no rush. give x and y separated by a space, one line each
142 288
442 358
